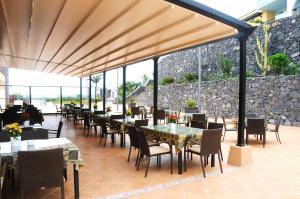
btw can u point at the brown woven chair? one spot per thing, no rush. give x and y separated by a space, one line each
87 124
215 125
198 124
276 130
161 115
57 132
151 151
35 134
3 180
256 127
43 168
210 145
4 137
226 127
139 123
105 131
135 111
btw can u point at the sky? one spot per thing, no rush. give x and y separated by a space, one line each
235 8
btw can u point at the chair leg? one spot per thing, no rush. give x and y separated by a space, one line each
129 154
65 174
224 136
105 140
100 139
278 137
221 153
220 163
247 138
95 127
264 139
62 192
88 129
137 158
172 163
147 167
139 161
202 166
184 158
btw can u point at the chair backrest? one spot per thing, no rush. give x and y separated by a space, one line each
132 136
143 143
35 134
199 117
198 124
135 111
42 168
102 122
117 117
99 112
60 125
210 142
160 114
255 126
4 137
139 123
86 119
251 115
214 125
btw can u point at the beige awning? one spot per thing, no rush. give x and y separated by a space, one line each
81 37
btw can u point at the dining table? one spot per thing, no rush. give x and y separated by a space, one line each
122 124
70 151
175 135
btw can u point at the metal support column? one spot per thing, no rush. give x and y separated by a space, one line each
60 94
30 95
104 90
124 90
155 89
90 92
80 95
242 91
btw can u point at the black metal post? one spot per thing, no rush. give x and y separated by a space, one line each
61 97
90 92
80 94
124 90
155 89
104 90
30 95
242 91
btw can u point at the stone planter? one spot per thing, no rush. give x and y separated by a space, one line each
191 110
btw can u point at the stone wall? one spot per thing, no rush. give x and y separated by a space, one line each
285 38
269 97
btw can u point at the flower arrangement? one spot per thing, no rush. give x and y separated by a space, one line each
108 109
172 118
13 130
128 113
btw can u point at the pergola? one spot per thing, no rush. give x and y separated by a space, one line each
85 37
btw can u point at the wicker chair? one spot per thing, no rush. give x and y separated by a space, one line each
135 111
106 131
210 145
4 137
151 151
87 124
35 134
215 125
58 131
161 115
198 124
256 127
276 130
43 168
226 127
3 180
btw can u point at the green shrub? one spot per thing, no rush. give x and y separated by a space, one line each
249 73
181 81
279 62
190 77
225 65
167 80
292 69
258 21
191 103
214 77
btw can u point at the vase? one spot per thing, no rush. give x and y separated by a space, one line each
15 143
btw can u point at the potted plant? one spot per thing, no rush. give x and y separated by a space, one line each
131 102
128 114
191 106
172 118
14 131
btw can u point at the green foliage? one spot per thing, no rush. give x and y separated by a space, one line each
292 69
190 77
214 77
167 80
279 62
225 65
181 81
262 60
130 87
191 103
249 73
257 21
96 79
145 79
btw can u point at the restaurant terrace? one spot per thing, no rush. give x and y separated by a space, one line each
101 142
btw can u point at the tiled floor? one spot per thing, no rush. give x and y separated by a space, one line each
275 172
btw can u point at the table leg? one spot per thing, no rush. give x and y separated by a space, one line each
76 182
212 161
179 162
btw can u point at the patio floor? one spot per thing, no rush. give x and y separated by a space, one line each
107 174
